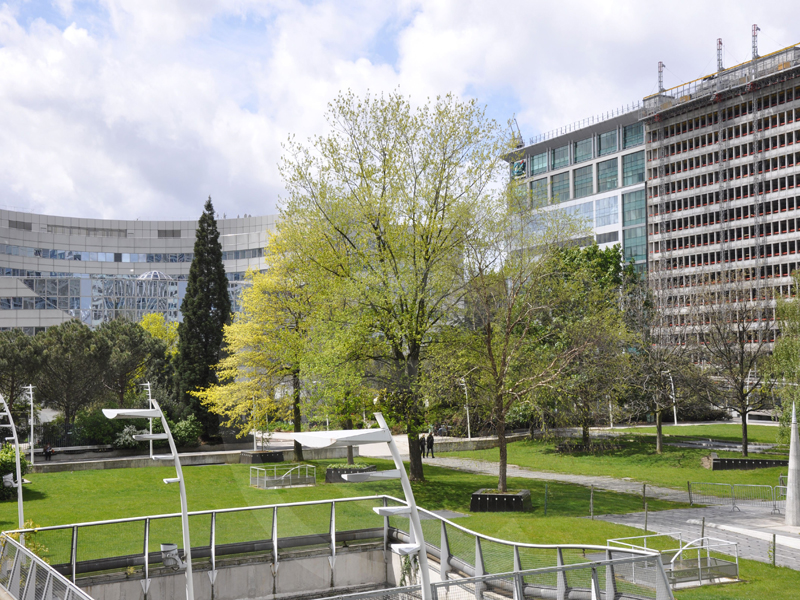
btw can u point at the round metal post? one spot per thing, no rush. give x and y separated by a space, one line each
30 436
20 512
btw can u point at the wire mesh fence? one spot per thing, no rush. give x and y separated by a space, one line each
736 495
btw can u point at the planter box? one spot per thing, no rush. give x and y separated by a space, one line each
335 475
490 501
728 464
261 456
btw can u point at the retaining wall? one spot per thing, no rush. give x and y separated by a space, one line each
476 444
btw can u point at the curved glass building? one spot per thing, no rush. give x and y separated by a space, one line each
53 269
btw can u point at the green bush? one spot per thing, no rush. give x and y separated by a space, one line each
8 465
187 432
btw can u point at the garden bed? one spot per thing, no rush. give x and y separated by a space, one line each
488 500
334 474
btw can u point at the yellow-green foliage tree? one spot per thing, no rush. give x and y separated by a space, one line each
167 331
378 213
264 349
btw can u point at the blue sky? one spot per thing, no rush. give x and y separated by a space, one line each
143 108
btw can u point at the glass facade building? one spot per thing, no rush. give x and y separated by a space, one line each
53 269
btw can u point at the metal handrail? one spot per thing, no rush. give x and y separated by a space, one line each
706 546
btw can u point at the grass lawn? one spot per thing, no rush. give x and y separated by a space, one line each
637 460
60 498
729 432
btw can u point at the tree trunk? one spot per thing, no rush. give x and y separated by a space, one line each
298 447
659 434
502 482
415 458
585 434
348 424
744 434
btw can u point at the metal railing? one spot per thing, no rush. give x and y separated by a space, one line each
719 82
275 477
26 576
273 530
782 480
622 110
737 495
607 578
679 569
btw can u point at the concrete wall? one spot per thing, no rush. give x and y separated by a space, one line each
476 444
304 574
187 459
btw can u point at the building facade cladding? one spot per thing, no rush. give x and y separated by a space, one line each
53 269
596 173
723 170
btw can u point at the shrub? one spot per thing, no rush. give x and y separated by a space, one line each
125 437
186 432
8 465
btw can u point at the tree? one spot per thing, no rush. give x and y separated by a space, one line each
167 331
378 213
735 330
206 308
19 363
73 362
785 361
131 350
265 346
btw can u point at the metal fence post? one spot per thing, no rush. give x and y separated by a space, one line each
73 555
519 583
611 581
386 533
275 541
444 554
213 543
689 483
332 557
561 588
146 581
479 569
733 499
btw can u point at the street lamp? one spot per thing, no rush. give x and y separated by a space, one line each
155 412
466 395
20 514
674 403
32 439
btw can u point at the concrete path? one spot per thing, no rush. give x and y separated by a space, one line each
625 486
752 529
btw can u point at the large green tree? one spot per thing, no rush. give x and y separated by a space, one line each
73 360
378 212
131 351
19 363
206 309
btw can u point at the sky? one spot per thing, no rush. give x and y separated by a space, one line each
125 109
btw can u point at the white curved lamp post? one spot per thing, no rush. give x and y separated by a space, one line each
155 413
20 513
344 438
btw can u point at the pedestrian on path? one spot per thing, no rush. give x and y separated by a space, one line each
430 444
422 444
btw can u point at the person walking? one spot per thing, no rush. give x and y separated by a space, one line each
422 444
430 444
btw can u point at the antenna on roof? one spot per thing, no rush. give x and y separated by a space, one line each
661 66
756 29
719 54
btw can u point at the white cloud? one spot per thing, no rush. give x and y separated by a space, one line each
142 108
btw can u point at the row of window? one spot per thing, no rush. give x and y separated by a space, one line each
728 235
718 258
121 257
581 151
731 214
583 180
731 112
768 186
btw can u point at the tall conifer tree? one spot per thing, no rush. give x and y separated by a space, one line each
206 309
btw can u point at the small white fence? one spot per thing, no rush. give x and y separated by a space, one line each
689 563
737 495
267 478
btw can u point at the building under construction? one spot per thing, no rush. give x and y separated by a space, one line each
723 187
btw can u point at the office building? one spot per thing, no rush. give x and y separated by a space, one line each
594 169
58 268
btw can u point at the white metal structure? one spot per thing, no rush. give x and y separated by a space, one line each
155 412
793 478
20 513
344 438
33 441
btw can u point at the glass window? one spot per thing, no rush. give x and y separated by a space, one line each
607 143
517 169
607 175
633 168
539 163
583 185
634 241
584 212
539 193
632 135
607 238
633 208
583 150
560 187
607 212
560 157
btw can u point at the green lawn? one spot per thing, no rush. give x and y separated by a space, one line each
729 432
60 498
636 460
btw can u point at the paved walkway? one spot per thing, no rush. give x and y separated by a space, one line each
752 529
625 486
